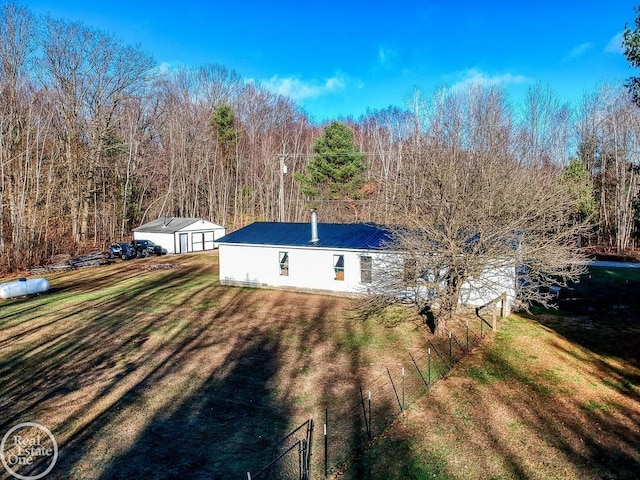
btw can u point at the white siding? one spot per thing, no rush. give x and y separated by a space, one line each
201 235
205 225
165 240
493 282
309 268
313 269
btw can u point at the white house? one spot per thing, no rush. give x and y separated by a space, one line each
327 257
181 235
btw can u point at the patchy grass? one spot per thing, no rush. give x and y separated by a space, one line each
163 373
154 373
547 396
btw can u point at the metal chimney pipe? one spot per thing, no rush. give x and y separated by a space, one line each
314 226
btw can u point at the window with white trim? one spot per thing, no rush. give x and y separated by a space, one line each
365 269
338 266
284 264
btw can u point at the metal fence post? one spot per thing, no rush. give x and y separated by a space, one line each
301 456
419 371
326 443
467 335
309 447
370 427
394 390
403 389
429 369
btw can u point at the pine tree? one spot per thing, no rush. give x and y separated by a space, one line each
631 46
337 169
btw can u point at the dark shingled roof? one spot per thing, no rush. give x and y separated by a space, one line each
359 236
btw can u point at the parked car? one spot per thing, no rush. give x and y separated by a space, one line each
127 252
142 248
119 250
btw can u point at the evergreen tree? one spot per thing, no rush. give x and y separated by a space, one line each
223 121
631 46
337 168
577 179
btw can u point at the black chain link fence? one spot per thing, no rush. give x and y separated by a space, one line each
349 426
292 456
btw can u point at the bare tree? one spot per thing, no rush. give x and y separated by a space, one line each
544 129
482 216
23 126
90 75
609 146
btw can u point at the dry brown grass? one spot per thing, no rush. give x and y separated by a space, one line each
146 372
549 397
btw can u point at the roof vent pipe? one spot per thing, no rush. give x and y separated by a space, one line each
314 226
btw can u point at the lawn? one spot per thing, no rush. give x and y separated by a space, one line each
554 395
142 372
163 373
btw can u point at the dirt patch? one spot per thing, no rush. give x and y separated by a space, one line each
158 266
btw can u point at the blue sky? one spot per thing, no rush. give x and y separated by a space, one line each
340 58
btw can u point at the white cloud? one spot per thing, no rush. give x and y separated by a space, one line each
335 83
615 44
297 89
386 55
578 51
474 76
164 67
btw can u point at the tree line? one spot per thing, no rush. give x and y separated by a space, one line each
96 138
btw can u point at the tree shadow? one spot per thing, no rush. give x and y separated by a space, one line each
601 312
221 431
108 341
91 358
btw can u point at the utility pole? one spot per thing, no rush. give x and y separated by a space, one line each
283 170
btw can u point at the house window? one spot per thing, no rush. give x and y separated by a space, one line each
338 266
365 269
410 269
284 264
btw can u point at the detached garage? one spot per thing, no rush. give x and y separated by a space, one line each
181 235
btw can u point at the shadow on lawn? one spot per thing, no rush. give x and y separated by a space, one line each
221 431
123 344
602 313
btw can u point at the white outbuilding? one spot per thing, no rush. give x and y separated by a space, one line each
180 234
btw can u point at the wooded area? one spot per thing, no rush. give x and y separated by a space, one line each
96 138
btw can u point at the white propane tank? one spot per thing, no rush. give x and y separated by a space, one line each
23 286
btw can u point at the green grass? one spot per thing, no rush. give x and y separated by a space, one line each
594 406
124 364
529 404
